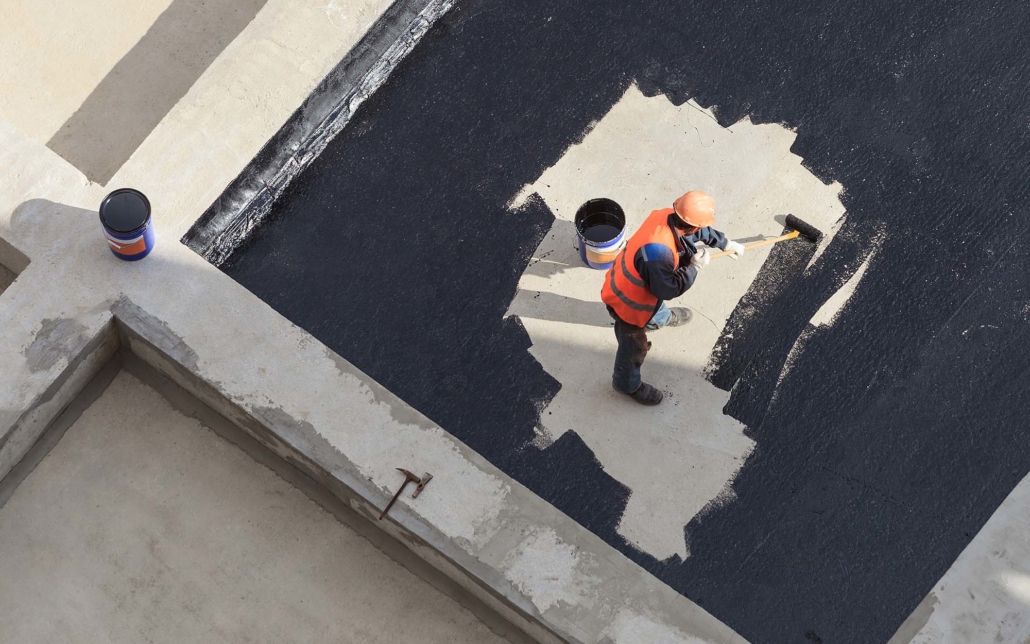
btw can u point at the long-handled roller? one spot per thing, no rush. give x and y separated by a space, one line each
799 228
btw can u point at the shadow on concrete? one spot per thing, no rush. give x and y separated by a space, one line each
541 305
558 253
6 278
147 82
82 229
12 262
750 240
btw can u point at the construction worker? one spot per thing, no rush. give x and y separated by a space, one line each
660 262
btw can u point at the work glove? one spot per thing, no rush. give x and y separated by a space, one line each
701 258
736 248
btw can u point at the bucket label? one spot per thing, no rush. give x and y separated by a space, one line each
597 258
133 246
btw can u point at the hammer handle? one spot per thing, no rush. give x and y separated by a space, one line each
765 242
394 499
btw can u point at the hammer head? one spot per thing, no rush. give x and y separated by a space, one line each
411 477
422 484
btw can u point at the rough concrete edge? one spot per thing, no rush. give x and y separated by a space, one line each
84 362
247 201
299 445
56 430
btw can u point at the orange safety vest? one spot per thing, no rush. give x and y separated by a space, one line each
623 289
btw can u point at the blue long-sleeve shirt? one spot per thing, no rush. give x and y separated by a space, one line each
654 262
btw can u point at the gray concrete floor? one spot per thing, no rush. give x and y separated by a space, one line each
144 525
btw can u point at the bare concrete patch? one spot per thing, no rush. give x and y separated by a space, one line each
550 571
680 457
835 304
55 340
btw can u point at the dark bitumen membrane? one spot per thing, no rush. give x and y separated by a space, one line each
897 431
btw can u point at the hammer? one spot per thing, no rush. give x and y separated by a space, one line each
408 478
799 227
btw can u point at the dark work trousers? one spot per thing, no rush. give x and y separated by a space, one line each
633 347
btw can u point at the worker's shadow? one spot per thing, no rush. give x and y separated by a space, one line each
540 305
44 219
557 253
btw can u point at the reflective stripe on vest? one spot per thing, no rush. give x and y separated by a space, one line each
622 296
624 290
633 279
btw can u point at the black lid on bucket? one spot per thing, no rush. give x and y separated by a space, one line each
125 210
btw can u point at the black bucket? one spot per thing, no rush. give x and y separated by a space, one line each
601 227
126 219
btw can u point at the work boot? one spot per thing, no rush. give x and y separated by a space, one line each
645 394
679 316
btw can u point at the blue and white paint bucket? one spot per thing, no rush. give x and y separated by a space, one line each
125 215
601 227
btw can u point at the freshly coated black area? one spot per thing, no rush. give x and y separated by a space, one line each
896 432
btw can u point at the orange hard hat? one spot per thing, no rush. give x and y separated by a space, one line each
696 208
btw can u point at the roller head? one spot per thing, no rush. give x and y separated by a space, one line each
806 230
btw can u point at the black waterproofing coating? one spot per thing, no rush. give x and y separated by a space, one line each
899 428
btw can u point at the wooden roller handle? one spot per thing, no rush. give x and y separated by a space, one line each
765 242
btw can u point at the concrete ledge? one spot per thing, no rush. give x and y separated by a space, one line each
542 572
188 404
147 340
132 464
57 428
87 356
304 449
